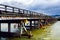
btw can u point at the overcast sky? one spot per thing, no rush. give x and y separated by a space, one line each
50 7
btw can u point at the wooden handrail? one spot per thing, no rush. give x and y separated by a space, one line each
18 10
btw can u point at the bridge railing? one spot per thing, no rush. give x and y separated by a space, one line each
24 12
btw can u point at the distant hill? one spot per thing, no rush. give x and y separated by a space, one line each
56 16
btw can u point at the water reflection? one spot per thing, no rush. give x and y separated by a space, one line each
3 38
49 33
4 27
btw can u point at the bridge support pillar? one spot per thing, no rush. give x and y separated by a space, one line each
42 23
0 27
0 31
39 23
9 27
45 21
19 25
30 24
34 23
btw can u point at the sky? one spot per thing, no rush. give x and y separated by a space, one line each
49 7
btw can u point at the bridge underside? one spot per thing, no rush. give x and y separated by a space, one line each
16 20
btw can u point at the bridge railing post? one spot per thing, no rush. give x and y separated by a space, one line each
13 10
5 8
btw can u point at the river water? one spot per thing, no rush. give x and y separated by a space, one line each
51 32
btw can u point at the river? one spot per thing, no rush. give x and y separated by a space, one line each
51 32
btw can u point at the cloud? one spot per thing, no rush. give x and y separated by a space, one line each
50 7
24 2
1 1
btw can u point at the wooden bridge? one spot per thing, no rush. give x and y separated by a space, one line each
9 14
